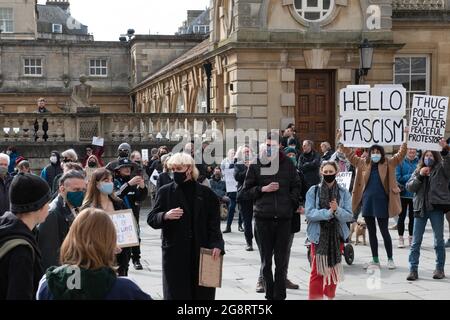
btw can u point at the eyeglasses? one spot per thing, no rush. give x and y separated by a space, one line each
65 160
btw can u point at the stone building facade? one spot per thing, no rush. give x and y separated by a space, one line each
276 62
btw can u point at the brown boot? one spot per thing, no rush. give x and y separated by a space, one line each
291 285
260 286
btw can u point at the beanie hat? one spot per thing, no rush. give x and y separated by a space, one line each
289 150
124 146
19 160
28 193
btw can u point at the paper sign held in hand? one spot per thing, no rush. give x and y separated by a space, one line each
126 228
154 177
144 154
210 273
97 141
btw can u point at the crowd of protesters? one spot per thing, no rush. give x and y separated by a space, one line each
56 221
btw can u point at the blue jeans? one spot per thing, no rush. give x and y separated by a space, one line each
231 208
437 224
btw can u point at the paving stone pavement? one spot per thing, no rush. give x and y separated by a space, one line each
241 269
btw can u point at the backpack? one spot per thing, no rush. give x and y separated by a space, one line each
13 243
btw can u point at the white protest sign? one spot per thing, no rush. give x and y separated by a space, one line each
383 100
126 228
344 179
96 141
154 177
372 115
231 183
428 122
144 154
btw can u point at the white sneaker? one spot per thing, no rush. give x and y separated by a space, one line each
391 265
371 264
401 242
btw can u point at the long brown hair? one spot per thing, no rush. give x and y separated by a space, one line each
436 156
92 197
91 241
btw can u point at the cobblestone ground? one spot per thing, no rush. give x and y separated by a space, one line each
241 269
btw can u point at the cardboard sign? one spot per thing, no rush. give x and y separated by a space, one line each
126 228
344 179
428 122
145 155
96 141
210 270
154 177
231 183
367 131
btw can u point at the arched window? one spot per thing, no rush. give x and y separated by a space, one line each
314 10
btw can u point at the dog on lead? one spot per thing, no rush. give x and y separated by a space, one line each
358 227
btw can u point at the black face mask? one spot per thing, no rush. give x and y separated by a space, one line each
330 178
179 177
126 178
123 154
92 164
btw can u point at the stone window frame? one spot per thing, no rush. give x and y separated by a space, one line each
200 29
409 92
89 67
31 75
56 30
2 19
338 4
201 93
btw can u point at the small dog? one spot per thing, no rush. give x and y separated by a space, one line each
359 228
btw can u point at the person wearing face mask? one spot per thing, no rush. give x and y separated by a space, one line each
51 171
123 152
5 183
132 191
188 214
96 151
92 164
273 184
308 165
100 195
20 265
63 210
431 201
328 209
13 155
376 190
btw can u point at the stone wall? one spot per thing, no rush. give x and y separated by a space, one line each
24 15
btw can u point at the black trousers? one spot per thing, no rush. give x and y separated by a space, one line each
383 223
246 207
273 238
123 260
407 207
136 251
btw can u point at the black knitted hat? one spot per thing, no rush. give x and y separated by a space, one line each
28 193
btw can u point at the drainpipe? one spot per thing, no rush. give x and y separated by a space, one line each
208 71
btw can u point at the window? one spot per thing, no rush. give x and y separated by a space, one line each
98 67
57 28
180 103
413 72
6 20
203 29
314 10
201 101
32 67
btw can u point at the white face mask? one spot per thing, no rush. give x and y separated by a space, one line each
53 159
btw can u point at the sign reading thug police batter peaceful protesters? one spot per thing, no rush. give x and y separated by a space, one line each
428 122
372 115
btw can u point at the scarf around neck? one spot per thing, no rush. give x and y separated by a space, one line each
328 255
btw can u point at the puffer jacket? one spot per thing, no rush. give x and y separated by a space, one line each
274 205
435 186
403 173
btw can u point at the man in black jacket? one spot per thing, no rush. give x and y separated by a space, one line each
274 185
63 210
309 166
20 265
5 182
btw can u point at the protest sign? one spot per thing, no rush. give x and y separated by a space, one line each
428 122
231 183
126 228
96 141
344 179
144 154
372 115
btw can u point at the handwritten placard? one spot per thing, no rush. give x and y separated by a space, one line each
344 179
126 228
144 154
97 141
428 122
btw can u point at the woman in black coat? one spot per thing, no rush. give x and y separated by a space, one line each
189 216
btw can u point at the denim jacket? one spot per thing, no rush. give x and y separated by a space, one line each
314 215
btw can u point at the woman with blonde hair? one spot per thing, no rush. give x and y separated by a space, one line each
100 195
189 216
88 258
92 164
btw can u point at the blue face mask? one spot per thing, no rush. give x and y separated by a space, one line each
375 158
106 188
75 198
429 162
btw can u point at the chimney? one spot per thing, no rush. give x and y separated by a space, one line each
63 4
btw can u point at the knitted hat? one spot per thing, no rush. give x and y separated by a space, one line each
19 160
124 146
28 193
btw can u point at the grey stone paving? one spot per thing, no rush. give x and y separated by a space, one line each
241 269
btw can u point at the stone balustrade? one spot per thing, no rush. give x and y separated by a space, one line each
418 5
114 127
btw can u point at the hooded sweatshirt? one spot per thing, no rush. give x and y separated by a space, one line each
99 284
52 170
20 268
